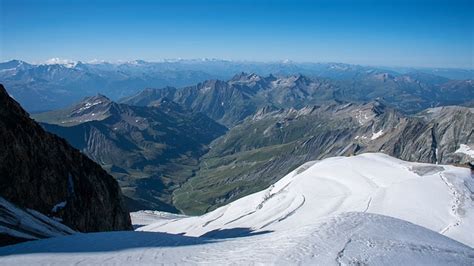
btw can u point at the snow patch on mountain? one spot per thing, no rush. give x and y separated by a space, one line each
463 148
59 206
61 61
376 135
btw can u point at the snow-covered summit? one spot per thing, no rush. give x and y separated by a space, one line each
432 196
60 61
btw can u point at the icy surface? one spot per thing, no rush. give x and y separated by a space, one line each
367 209
349 238
28 224
371 182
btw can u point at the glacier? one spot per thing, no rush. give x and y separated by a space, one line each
365 209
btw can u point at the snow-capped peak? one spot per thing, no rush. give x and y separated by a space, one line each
60 61
96 61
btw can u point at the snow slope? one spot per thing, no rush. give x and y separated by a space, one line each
343 239
368 209
435 197
28 224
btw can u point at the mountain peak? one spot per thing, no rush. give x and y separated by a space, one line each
246 78
3 93
212 83
15 62
59 61
383 76
166 104
263 111
137 62
300 78
9 106
98 99
239 75
12 64
91 108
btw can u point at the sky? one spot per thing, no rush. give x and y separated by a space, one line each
391 33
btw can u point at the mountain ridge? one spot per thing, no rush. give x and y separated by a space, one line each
40 87
230 102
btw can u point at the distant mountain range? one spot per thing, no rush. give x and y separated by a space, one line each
229 102
41 87
156 142
47 87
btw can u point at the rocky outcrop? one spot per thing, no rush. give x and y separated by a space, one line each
42 172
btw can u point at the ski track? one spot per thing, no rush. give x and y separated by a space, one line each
286 215
456 203
212 220
340 254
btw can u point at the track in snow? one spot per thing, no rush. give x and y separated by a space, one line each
374 183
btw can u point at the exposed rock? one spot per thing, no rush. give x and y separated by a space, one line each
42 172
230 102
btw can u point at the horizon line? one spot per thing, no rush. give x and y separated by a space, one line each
66 61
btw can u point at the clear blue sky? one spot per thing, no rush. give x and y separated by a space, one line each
401 33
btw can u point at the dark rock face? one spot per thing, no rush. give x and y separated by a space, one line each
41 171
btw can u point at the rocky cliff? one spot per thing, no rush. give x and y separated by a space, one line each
42 172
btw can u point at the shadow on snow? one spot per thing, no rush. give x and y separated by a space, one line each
232 233
116 241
